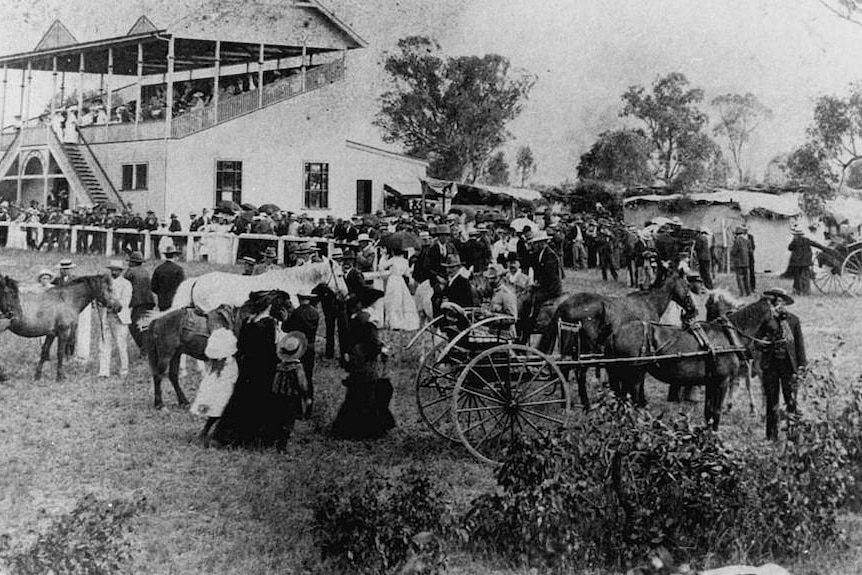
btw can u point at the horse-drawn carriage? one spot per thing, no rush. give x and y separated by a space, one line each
838 268
478 386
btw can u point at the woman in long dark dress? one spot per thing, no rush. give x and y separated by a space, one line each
365 412
250 418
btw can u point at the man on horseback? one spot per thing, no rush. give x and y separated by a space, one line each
548 282
783 356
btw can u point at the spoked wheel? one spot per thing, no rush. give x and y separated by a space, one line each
828 280
851 273
508 391
435 383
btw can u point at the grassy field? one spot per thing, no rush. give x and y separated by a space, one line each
235 511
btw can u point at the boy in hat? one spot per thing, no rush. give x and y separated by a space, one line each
305 319
248 263
782 357
290 385
115 321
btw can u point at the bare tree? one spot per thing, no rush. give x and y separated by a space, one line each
850 10
738 117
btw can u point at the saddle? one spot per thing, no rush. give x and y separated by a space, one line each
198 325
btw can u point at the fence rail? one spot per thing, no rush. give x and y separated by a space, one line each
110 241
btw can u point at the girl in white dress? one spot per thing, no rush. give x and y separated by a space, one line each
398 303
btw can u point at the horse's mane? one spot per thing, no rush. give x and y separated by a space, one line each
751 315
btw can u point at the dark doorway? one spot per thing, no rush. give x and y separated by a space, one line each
363 196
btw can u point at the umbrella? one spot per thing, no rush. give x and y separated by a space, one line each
401 241
269 208
228 207
249 207
519 224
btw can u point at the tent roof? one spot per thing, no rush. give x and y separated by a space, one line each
784 205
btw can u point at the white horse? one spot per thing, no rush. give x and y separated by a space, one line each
210 290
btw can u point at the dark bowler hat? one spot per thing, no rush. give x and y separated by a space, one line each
778 293
136 258
170 251
442 229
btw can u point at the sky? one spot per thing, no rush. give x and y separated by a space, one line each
584 54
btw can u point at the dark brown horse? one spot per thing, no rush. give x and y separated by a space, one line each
169 335
715 371
52 313
600 316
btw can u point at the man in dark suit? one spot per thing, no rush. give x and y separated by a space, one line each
547 278
142 294
167 277
783 356
457 289
438 251
65 277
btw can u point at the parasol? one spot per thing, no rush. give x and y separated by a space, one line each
401 241
269 208
228 207
518 224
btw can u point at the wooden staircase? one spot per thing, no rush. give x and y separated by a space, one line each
86 175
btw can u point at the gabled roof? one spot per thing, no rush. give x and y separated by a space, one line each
56 36
142 25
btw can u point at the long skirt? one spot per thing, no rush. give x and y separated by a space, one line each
365 412
399 306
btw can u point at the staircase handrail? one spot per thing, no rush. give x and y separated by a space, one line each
10 153
55 146
100 173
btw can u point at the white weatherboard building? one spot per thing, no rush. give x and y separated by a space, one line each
249 110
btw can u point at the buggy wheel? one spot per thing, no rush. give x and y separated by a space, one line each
508 391
851 273
435 383
828 280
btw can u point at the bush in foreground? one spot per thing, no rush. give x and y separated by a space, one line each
89 540
374 525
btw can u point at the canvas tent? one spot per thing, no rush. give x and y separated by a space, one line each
768 217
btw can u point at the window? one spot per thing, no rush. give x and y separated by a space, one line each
316 186
134 176
228 181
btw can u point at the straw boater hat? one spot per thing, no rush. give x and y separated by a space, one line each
336 254
248 260
45 272
116 265
221 344
539 236
292 346
363 237
66 264
778 293
269 253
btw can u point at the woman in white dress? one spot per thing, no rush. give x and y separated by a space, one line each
398 303
17 237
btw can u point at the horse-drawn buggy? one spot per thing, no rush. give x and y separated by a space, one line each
478 386
838 267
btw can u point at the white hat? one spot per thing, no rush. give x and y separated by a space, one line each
116 265
363 238
539 236
221 344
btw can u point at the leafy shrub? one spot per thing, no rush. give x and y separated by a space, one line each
375 524
626 482
90 540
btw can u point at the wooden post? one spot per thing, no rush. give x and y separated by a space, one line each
53 86
73 237
62 88
21 103
216 78
281 249
109 242
3 98
139 89
80 85
302 67
148 245
26 115
108 95
169 97
260 60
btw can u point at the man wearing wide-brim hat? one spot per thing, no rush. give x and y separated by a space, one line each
143 300
548 281
167 277
801 260
115 321
740 252
457 289
783 355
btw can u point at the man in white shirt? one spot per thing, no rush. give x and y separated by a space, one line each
115 321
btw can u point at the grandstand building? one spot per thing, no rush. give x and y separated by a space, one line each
248 109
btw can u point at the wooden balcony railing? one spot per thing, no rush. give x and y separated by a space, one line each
234 106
